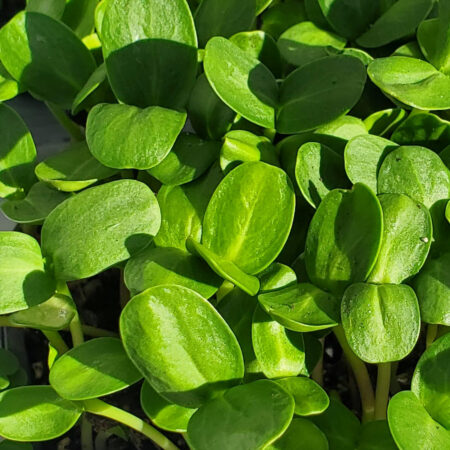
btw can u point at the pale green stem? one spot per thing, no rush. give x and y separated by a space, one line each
432 331
100 408
361 375
382 391
224 289
76 331
56 341
71 127
86 434
97 332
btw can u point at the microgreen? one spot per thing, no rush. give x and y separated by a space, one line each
247 239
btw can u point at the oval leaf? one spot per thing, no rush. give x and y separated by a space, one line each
48 58
167 332
407 233
150 39
35 413
23 279
344 238
381 322
259 196
117 219
101 367
127 137
319 92
249 416
242 82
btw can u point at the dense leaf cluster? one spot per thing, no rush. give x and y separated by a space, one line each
265 174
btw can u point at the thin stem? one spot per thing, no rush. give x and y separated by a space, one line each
100 408
317 373
71 127
432 331
86 434
6 322
361 375
382 392
97 332
76 331
56 341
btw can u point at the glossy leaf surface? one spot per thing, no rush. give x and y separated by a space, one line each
248 416
344 238
121 216
167 331
127 137
381 322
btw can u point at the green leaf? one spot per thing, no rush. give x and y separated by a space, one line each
13 445
249 416
412 81
431 382
399 21
343 128
319 92
150 39
305 42
167 265
302 434
100 366
405 409
73 169
79 15
302 307
277 276
375 435
23 281
17 154
36 413
216 18
162 413
310 398
52 8
242 146
423 129
189 158
416 172
381 123
259 196
344 238
48 59
211 118
167 332
407 234
349 19
225 268
40 201
118 219
280 352
56 313
381 322
318 170
340 425
262 46
127 137
241 81
410 49
432 287
363 156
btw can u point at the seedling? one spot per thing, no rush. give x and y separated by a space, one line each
267 183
